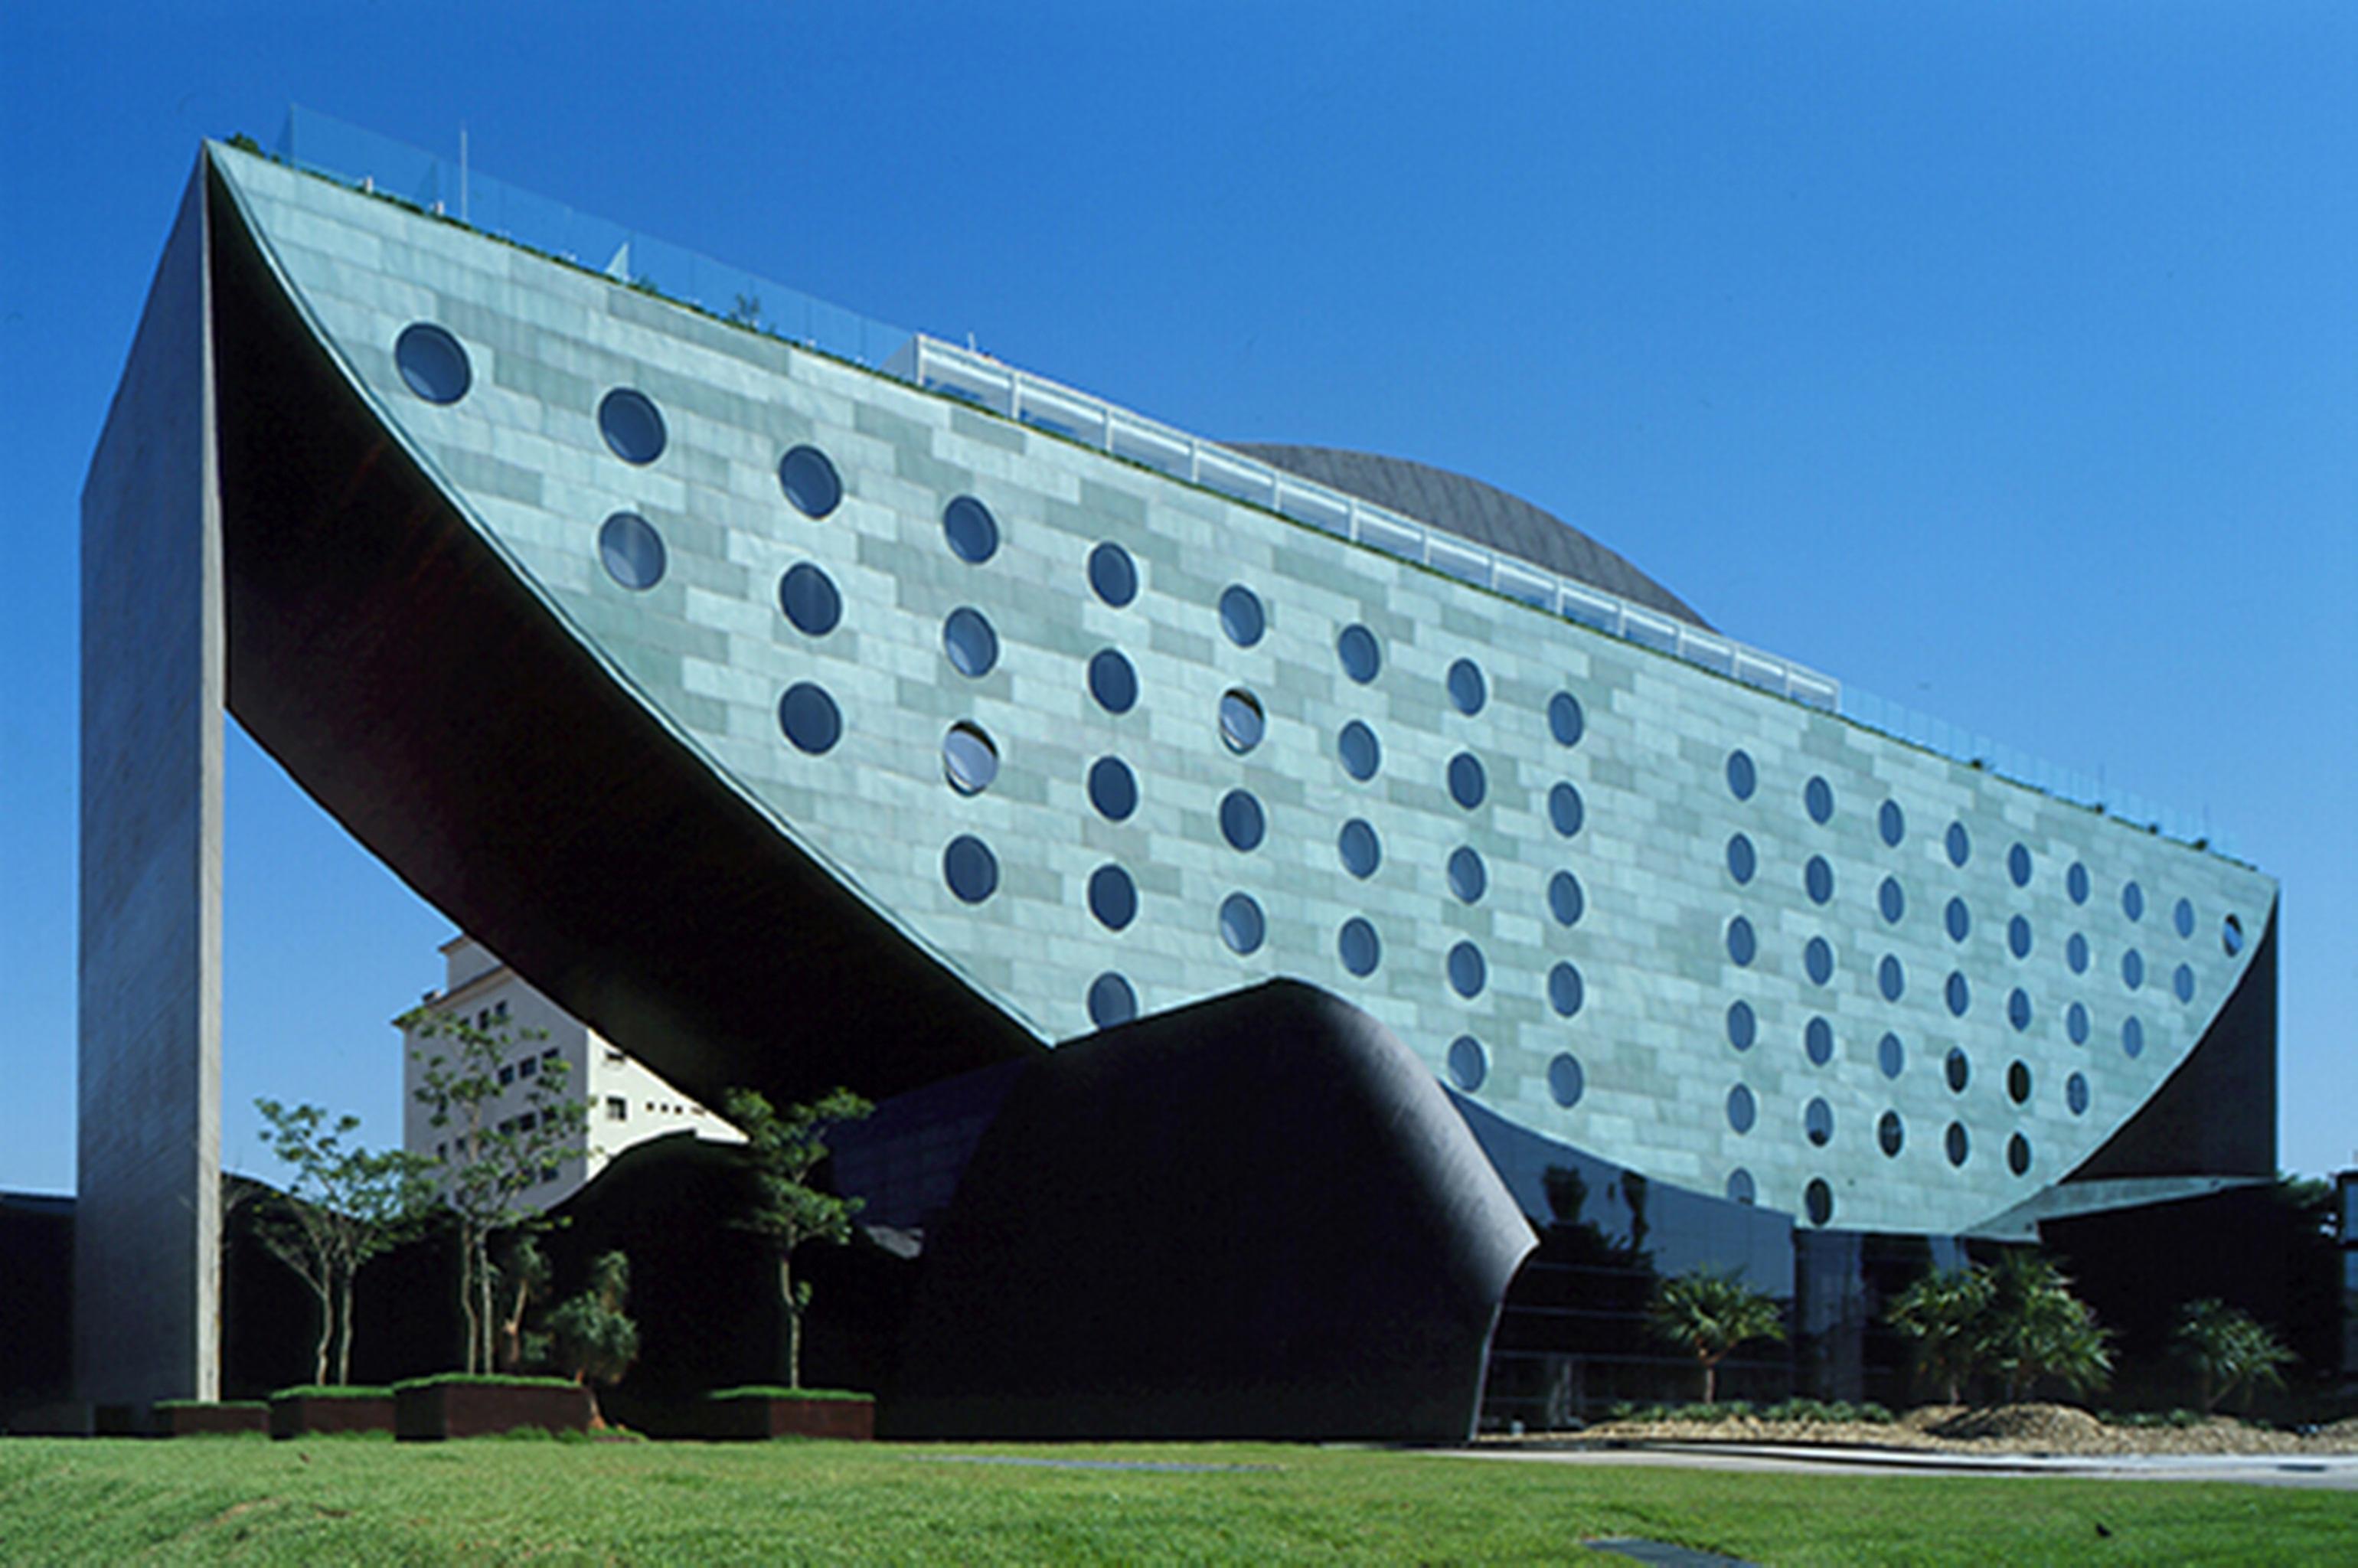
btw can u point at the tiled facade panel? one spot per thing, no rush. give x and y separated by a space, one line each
709 647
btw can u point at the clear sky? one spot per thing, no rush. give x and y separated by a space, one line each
1999 359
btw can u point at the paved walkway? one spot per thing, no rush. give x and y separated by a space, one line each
2336 1471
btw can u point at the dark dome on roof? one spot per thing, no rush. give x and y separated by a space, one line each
1482 513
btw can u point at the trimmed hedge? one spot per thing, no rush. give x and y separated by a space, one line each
774 1392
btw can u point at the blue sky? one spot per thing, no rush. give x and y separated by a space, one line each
1999 359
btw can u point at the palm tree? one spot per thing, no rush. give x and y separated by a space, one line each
2038 1328
2228 1349
1709 1315
595 1342
1943 1312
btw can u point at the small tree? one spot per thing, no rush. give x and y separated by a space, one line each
782 1149
2037 1329
520 1272
345 1206
1944 1311
1709 1315
2228 1349
494 1160
595 1342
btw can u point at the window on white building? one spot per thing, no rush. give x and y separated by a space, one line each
617 1108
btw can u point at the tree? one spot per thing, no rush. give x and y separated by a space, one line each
2038 1329
1943 1312
1709 1315
595 1342
782 1149
345 1206
2228 1349
520 1271
495 1158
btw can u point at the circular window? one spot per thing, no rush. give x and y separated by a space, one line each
1960 844
1111 1001
1468 782
971 530
970 869
632 550
1113 789
1113 897
2018 1009
2075 882
2133 901
2017 865
969 760
2181 982
1818 958
1360 849
2075 1093
1742 778
809 718
2075 953
1565 810
2133 1035
2182 917
633 427
1468 877
2018 936
1112 682
2132 969
1469 1064
1742 1109
2017 1082
1818 1123
2076 1024
1818 1041
1467 689
1891 1055
1565 1080
1565 992
807 596
1892 823
1891 899
1360 755
968 639
1242 723
1241 617
1891 977
1567 723
1565 901
1960 994
1739 1186
2231 936
1241 821
1891 1133
1960 920
1242 926
1113 575
1360 948
1818 799
1819 1200
1741 943
1741 861
1742 1027
812 487
1818 879
1957 1068
1960 1147
2018 1154
1467 971
432 362
1361 655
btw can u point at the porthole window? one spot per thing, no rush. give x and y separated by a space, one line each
1241 821
1113 789
1740 1189
1113 575
1891 1056
2075 953
1818 1042
1467 971
2018 936
1892 900
1467 689
1113 897
1818 879
1113 681
1960 844
2075 1093
1818 958
2231 936
1468 782
632 425
1891 977
2132 969
2076 1024
1960 1147
1360 753
1469 1064
809 718
432 362
2182 917
2132 1036
1567 723
1468 877
971 644
1242 723
1565 991
1818 1123
969 760
2133 901
1958 1068
1565 901
1242 925
1960 994
1360 949
1360 849
1111 1001
1743 1110
1565 809
1741 942
1241 617
2017 1082
2075 882
1743 1025
811 484
1892 823
970 869
809 600
1742 778
2018 1009
2018 1154
1818 799
1741 861
2181 983
2017 865
1818 1201
1891 1133
632 551
971 530
1361 655
1565 1080
1959 919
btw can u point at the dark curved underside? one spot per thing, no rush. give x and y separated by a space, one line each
401 672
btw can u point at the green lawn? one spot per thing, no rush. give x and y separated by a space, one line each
358 1500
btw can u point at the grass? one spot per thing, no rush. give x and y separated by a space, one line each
199 1500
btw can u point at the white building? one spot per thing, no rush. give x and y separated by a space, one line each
628 1104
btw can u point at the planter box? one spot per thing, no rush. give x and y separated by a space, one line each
214 1420
484 1410
755 1416
306 1417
